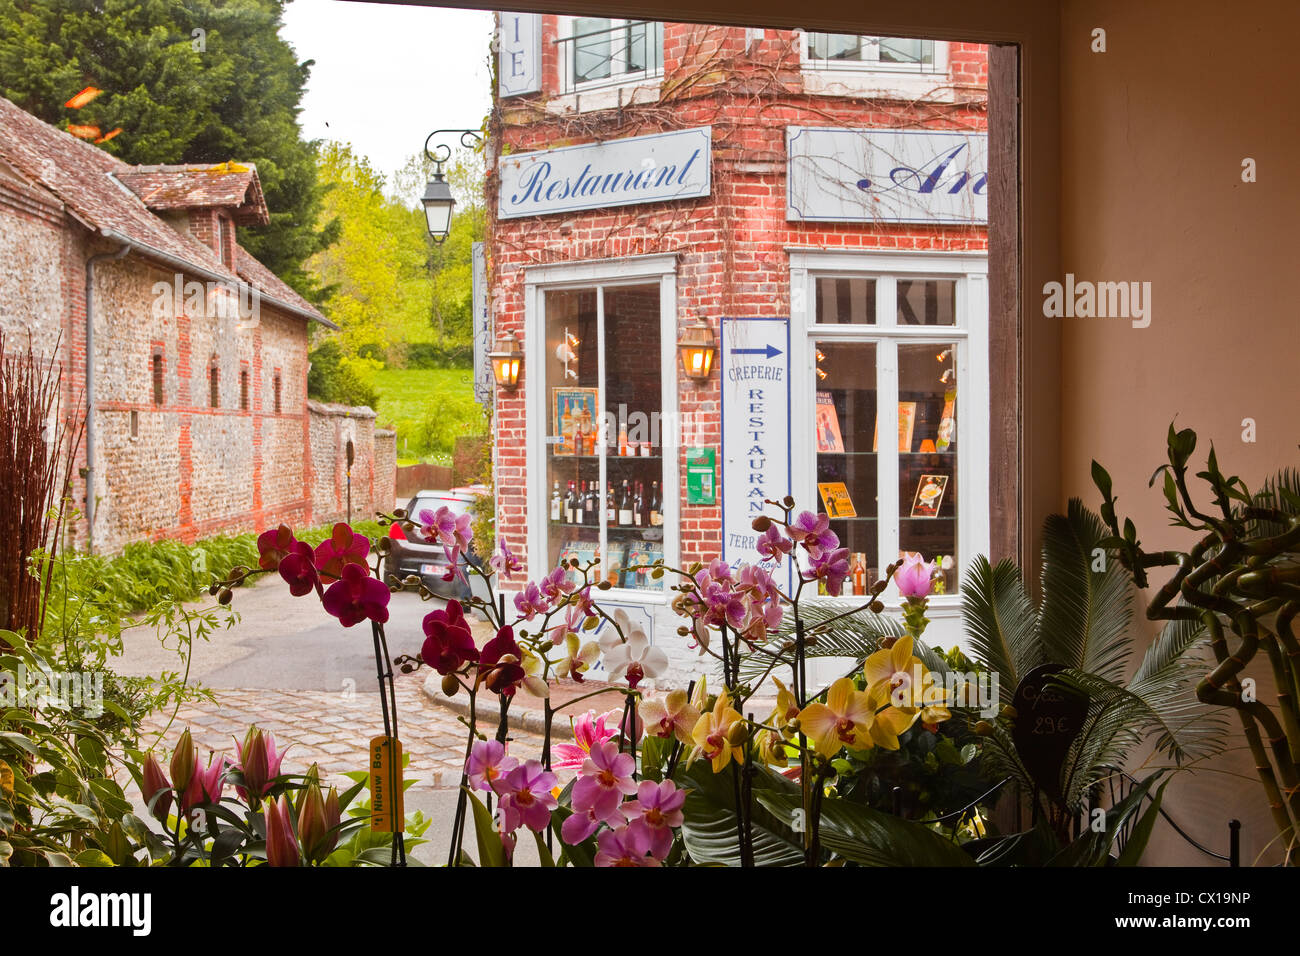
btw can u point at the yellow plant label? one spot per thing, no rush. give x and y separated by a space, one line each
387 808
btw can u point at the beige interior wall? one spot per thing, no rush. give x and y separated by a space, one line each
1153 134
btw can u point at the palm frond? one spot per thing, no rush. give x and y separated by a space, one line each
1000 622
1281 491
1085 615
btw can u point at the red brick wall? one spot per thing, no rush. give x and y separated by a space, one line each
730 245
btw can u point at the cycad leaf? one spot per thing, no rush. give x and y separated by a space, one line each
1086 614
1000 622
855 637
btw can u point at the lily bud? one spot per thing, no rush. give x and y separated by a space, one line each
184 761
311 820
155 781
281 845
253 763
450 685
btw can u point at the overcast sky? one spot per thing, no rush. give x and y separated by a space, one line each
387 75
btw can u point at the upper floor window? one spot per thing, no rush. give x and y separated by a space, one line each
243 389
599 51
839 51
227 239
157 370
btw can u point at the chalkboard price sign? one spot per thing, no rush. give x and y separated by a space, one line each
1048 719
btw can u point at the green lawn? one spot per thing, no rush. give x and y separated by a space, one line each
428 408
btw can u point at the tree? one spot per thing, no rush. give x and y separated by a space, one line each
200 82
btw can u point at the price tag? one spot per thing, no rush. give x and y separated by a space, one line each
387 807
1047 721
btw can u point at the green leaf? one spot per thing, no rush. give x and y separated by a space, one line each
543 851
1001 622
1101 478
93 857
710 826
1138 839
490 850
872 838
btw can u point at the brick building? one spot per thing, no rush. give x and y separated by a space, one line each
197 382
819 201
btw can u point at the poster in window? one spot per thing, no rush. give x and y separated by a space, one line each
947 421
929 496
640 554
906 425
575 420
584 551
616 562
829 438
835 496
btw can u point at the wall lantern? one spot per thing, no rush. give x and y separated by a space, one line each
506 363
437 200
697 347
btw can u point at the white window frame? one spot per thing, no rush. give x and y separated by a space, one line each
601 273
616 80
850 77
969 334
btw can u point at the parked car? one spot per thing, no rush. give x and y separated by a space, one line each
429 561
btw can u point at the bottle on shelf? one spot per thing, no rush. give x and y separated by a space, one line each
623 449
656 506
859 572
638 505
625 506
588 505
611 509
556 504
571 505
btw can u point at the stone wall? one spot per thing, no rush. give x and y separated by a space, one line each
373 465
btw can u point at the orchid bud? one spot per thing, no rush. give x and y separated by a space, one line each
155 781
738 733
184 761
450 685
762 523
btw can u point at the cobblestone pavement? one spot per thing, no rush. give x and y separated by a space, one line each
333 729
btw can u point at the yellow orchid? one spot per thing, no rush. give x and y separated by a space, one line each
888 721
713 735
533 667
845 720
577 660
672 716
894 666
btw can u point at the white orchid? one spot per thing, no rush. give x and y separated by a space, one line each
631 654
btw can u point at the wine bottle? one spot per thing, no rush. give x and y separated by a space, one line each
625 506
569 500
555 501
656 506
638 505
587 506
611 509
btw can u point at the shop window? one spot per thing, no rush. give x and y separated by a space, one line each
609 465
243 389
157 374
837 51
910 350
598 51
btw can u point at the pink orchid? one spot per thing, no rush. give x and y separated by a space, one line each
772 543
831 566
654 813
606 777
526 797
915 577
298 568
504 562
342 548
588 731
813 532
449 643
488 763
556 584
623 847
274 546
357 596
446 528
530 602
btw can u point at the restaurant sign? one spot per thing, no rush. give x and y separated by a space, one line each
519 42
886 175
755 429
620 172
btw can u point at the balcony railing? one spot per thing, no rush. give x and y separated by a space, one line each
598 54
847 51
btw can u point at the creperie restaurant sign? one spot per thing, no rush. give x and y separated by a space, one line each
620 172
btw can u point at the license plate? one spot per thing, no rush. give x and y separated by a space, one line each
430 569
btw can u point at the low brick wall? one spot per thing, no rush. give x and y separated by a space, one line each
370 479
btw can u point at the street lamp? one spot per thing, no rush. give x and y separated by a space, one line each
506 362
697 346
437 200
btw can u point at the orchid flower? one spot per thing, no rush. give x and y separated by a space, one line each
831 566
504 562
671 717
526 797
449 643
588 731
655 812
488 763
274 546
356 596
634 656
530 602
499 666
533 682
623 847
298 568
342 548
813 533
772 543
556 584
843 721
578 659
606 777
712 732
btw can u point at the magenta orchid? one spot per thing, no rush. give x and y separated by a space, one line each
449 643
773 543
654 813
342 548
488 763
530 602
500 663
623 847
356 596
274 546
830 566
813 532
605 779
298 568
556 584
526 797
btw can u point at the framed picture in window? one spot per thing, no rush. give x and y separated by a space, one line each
929 496
829 438
575 420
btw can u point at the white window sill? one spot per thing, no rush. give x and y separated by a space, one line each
607 96
880 83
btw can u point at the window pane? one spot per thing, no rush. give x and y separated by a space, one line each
573 470
895 50
634 458
845 423
591 54
846 301
927 301
927 460
834 46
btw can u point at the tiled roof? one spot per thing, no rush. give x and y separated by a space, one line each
92 185
232 185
